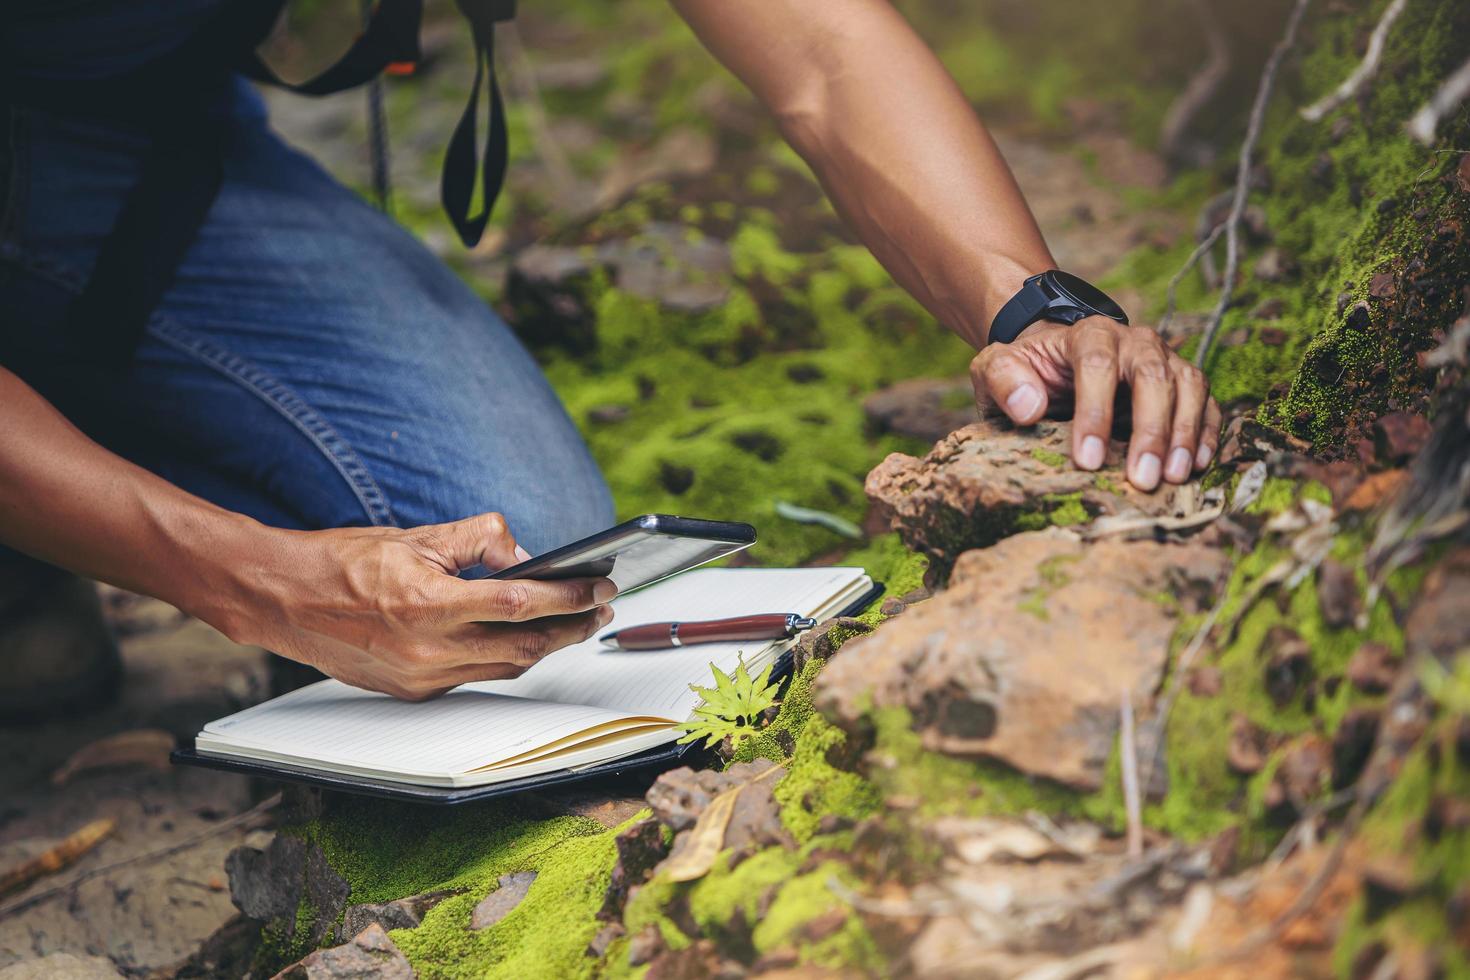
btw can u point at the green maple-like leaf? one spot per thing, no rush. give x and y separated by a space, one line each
731 708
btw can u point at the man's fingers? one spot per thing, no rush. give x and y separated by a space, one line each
1209 437
1153 410
520 600
1007 380
1190 395
522 645
1095 369
480 540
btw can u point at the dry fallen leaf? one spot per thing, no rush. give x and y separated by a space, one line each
139 747
57 857
707 836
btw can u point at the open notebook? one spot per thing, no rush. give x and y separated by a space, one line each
581 706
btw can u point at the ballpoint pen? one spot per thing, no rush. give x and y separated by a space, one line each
662 636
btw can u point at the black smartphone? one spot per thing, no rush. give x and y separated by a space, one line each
639 552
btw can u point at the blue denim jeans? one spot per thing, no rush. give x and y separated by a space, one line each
313 365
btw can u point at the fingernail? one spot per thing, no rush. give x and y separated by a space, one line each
522 553
1146 472
604 591
1090 456
1179 464
604 616
1024 402
1202 457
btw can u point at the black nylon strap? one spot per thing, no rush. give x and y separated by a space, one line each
1020 311
457 182
391 34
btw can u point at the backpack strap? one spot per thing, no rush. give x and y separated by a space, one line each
391 35
457 182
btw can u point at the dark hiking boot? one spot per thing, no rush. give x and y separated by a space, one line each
57 654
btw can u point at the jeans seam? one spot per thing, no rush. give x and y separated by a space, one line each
253 379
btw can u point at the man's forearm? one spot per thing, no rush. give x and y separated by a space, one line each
65 499
894 143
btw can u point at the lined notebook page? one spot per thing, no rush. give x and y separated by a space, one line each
656 682
330 722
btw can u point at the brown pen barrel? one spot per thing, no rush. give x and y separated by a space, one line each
661 636
767 626
654 636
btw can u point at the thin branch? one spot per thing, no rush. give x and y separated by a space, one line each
1200 250
1202 85
1132 799
1366 69
31 901
1452 92
1243 178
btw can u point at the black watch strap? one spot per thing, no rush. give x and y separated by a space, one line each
1020 311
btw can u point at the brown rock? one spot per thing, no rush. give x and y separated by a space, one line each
679 796
1245 752
604 939
645 945
1387 881
700 960
822 641
370 955
1337 594
640 847
1288 663
1205 682
269 885
1383 285
1271 336
1022 659
1438 624
508 893
1398 437
1373 668
404 913
1375 489
1304 769
924 408
972 487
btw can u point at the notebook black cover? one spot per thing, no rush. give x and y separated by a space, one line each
660 757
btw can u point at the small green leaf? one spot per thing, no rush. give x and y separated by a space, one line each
732 708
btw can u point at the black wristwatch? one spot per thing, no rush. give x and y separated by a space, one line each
1052 295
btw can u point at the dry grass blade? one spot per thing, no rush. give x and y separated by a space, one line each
707 836
139 747
65 852
1132 797
1202 85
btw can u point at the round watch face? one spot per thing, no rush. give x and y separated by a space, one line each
1086 294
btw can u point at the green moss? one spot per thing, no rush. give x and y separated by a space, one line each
1049 457
804 898
946 785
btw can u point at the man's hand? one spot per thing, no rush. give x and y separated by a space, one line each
384 609
1175 422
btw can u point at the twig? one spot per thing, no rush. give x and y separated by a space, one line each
1202 85
1243 178
1365 70
1304 825
1200 250
1154 733
1128 750
30 901
1451 93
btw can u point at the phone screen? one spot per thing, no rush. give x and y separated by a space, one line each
633 555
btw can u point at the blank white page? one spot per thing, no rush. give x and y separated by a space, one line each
329 722
656 682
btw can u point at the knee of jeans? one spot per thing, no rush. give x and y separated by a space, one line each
542 514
